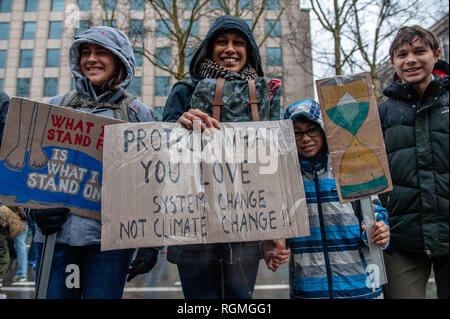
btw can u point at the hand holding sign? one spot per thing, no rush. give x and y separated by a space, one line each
380 233
144 262
49 220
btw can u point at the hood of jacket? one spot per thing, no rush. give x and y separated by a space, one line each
221 25
307 108
112 39
311 110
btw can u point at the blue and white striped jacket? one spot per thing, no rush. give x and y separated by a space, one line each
331 262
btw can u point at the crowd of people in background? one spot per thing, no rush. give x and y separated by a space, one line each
411 221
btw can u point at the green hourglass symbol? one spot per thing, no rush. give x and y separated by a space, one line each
359 163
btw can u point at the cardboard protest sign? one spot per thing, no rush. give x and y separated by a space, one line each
51 156
354 135
165 185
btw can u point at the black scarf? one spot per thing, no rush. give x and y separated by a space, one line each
210 69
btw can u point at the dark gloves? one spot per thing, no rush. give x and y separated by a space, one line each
145 260
49 220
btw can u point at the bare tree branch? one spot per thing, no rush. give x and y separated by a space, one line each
179 32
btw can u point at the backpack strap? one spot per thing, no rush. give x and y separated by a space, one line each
69 97
121 111
217 102
253 100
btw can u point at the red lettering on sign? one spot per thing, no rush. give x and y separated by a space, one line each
57 120
51 134
89 125
79 126
67 138
68 124
99 143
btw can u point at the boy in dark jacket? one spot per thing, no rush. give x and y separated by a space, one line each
415 126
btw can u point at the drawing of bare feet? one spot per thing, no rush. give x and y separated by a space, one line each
38 158
16 157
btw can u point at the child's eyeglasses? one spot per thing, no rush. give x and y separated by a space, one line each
312 132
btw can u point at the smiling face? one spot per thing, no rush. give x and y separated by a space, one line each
308 139
97 63
414 63
230 51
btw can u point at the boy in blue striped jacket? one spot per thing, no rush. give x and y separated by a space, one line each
331 262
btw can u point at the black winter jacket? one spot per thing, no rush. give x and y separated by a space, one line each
416 134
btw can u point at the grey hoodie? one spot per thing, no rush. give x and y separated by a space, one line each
117 42
77 230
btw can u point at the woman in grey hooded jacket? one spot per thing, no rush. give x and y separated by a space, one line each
102 63
229 51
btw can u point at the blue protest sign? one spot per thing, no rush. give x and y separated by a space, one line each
52 157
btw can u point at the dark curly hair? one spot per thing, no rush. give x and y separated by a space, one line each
408 34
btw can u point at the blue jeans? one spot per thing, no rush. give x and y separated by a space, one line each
216 281
20 247
92 274
32 255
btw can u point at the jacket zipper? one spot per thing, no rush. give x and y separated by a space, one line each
418 106
324 238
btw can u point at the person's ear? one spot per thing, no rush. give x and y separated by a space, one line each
437 54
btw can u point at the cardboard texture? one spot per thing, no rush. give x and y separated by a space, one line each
51 156
354 135
164 185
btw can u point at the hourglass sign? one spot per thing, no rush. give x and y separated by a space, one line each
360 172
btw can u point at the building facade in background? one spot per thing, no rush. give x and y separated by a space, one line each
35 36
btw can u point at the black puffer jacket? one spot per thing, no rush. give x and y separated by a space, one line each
416 134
